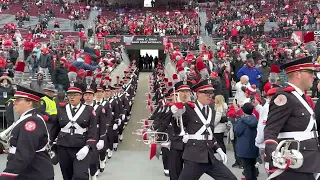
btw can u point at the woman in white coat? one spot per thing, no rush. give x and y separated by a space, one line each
220 121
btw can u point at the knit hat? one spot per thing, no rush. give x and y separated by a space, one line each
247 108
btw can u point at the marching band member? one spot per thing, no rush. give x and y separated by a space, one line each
28 157
129 92
120 116
290 117
113 126
158 121
198 119
124 106
128 86
101 131
182 88
76 131
99 100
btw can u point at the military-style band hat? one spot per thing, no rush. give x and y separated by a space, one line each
99 89
23 92
183 85
74 90
204 85
304 63
89 90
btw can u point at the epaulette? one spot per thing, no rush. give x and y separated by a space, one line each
191 104
45 117
63 104
288 89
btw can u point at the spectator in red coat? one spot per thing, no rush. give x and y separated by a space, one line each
234 34
2 62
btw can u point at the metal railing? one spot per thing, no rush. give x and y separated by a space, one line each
4 123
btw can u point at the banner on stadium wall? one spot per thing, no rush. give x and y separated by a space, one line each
114 40
176 40
132 40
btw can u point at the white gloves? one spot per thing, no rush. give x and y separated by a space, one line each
123 117
222 155
82 153
119 122
177 112
100 145
115 127
130 103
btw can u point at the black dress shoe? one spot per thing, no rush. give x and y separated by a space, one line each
115 149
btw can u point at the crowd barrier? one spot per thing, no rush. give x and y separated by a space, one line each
3 117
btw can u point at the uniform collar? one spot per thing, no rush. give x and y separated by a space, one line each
201 105
26 112
99 101
89 104
77 107
300 92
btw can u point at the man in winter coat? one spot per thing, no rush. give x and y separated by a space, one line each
60 76
45 62
253 73
265 69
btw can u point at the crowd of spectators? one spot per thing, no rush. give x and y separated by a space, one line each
148 23
244 19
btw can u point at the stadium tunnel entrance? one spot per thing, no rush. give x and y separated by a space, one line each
147 56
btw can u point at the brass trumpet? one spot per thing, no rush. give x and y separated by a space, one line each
151 137
5 136
284 158
282 153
